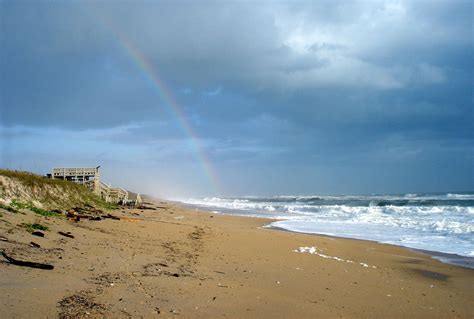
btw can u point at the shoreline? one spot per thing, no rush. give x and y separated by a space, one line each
447 258
168 261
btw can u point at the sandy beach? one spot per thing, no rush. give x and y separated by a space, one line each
171 261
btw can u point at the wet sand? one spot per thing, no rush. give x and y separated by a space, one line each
172 261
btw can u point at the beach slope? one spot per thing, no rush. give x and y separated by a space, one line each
170 261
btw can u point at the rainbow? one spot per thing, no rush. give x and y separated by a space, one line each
165 94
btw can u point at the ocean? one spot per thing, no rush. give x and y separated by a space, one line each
442 224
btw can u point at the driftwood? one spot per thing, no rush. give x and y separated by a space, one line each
147 207
68 234
34 244
37 233
27 263
111 217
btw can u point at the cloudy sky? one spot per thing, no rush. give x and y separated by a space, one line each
212 98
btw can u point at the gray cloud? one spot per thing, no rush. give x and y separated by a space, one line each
312 83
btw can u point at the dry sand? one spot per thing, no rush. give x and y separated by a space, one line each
176 262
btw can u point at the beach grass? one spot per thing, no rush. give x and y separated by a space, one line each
9 208
34 209
32 227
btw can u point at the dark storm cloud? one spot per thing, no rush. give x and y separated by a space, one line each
312 83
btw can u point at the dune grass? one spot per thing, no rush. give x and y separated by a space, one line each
32 227
9 208
34 209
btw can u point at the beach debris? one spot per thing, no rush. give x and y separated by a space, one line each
109 279
35 244
148 207
68 234
315 251
38 233
74 216
222 286
155 269
111 216
77 305
26 263
3 238
89 212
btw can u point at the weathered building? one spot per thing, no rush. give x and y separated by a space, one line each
87 176
90 177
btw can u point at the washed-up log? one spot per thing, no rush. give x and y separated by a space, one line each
71 214
78 217
111 217
3 239
94 218
68 234
34 244
26 263
147 207
37 233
